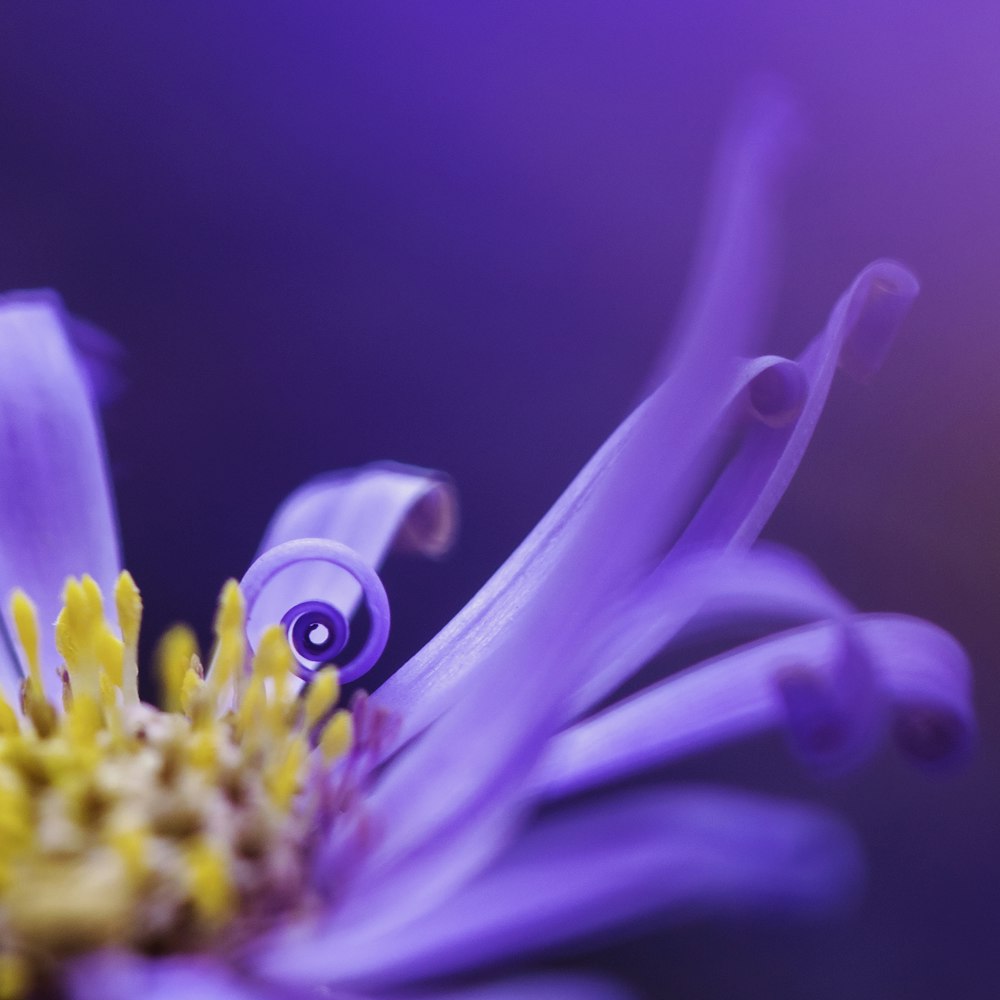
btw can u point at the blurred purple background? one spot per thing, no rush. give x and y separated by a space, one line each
453 234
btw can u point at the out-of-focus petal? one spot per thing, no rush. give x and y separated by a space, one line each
127 976
690 594
56 512
617 519
857 337
99 356
591 868
920 672
542 987
371 510
732 281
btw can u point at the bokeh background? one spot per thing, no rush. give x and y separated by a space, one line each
454 234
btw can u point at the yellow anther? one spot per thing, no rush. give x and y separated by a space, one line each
9 724
110 654
174 654
285 779
78 632
25 616
15 977
191 689
132 846
322 695
230 633
128 604
337 735
208 882
273 658
83 720
251 707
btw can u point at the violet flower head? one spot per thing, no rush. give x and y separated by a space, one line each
258 837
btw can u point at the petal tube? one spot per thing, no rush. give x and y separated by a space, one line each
920 673
857 337
619 517
371 510
56 512
591 868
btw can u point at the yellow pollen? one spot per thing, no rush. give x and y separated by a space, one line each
176 650
25 616
125 826
128 604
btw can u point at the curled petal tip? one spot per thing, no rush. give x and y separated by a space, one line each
932 735
777 392
880 300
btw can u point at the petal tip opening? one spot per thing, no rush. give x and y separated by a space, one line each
882 296
777 393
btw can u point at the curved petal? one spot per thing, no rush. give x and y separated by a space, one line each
918 669
371 510
127 976
857 337
613 861
56 513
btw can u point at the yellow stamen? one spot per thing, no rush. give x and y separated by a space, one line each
15 977
322 695
25 616
174 654
337 735
128 604
230 633
208 882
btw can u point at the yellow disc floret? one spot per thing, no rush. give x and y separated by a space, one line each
123 825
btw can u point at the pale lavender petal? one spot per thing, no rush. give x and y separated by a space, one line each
696 593
56 513
127 976
591 868
621 513
857 337
99 356
371 510
732 281
920 673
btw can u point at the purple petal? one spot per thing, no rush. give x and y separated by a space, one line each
622 512
545 987
919 671
731 287
694 594
591 868
857 337
126 976
371 510
56 512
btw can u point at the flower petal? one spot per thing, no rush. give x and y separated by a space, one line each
127 976
593 867
618 518
542 987
372 510
56 510
857 337
919 670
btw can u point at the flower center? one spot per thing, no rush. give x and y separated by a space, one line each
126 825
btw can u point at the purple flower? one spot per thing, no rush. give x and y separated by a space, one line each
257 840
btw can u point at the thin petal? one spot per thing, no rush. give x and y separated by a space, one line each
733 277
56 510
126 976
372 510
857 337
594 867
618 517
544 987
919 670
704 591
